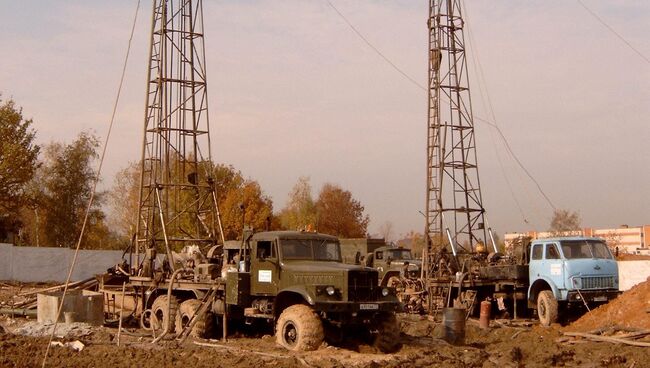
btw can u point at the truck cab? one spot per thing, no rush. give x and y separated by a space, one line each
566 271
298 280
393 262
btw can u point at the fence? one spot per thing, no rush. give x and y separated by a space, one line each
35 264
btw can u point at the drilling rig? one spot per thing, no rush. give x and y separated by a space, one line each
177 201
460 253
182 278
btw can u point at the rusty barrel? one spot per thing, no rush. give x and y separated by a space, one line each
484 319
453 320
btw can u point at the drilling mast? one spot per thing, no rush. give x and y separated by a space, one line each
177 201
454 207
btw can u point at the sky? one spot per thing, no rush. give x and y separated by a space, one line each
294 92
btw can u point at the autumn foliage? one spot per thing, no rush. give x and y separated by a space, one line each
335 212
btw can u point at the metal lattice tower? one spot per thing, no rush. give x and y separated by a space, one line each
177 199
453 188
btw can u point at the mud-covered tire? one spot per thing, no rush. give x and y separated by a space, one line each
159 311
299 328
388 334
203 328
547 308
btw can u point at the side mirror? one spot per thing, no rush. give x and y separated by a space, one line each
389 259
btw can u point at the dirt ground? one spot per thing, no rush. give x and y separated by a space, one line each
500 346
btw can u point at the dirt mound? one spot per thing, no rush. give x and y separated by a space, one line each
630 309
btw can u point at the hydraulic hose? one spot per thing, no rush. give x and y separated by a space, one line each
169 303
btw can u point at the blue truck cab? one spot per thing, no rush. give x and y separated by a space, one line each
565 271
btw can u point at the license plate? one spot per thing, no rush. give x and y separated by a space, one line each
369 306
600 299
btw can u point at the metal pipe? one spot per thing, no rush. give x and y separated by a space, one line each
224 320
494 244
451 242
170 258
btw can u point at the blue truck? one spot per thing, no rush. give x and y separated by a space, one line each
547 277
566 271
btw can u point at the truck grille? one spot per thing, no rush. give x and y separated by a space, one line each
361 285
598 282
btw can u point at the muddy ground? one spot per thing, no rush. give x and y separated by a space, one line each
496 347
500 346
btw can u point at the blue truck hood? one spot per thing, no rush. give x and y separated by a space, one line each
591 267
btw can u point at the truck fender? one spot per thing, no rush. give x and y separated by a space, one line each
387 276
539 285
290 296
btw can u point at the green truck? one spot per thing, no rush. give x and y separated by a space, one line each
397 268
296 281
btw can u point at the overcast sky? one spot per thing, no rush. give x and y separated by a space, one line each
293 92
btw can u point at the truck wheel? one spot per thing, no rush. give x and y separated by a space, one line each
203 327
387 339
159 315
546 308
299 328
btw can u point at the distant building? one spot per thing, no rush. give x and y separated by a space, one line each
628 239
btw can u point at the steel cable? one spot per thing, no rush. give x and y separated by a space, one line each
96 181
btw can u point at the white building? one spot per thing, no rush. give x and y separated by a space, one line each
635 240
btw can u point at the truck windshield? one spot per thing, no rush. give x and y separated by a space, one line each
311 249
400 254
575 249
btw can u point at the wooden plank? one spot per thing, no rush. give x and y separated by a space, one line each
58 287
608 339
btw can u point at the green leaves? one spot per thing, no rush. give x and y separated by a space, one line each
18 157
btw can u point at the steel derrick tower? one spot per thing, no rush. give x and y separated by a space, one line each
177 202
454 207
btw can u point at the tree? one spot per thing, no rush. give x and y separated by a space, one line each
564 221
18 163
413 241
124 198
226 178
339 214
231 191
245 205
68 183
386 231
300 212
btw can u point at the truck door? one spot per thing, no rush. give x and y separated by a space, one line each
554 268
536 262
265 268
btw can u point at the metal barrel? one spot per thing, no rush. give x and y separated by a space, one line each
453 320
484 320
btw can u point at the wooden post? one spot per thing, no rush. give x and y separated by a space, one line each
119 326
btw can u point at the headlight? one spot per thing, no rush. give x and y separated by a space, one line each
330 290
385 291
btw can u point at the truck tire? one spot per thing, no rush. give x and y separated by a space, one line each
299 328
547 308
388 334
159 315
203 328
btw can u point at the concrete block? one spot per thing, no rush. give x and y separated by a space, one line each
86 306
631 273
